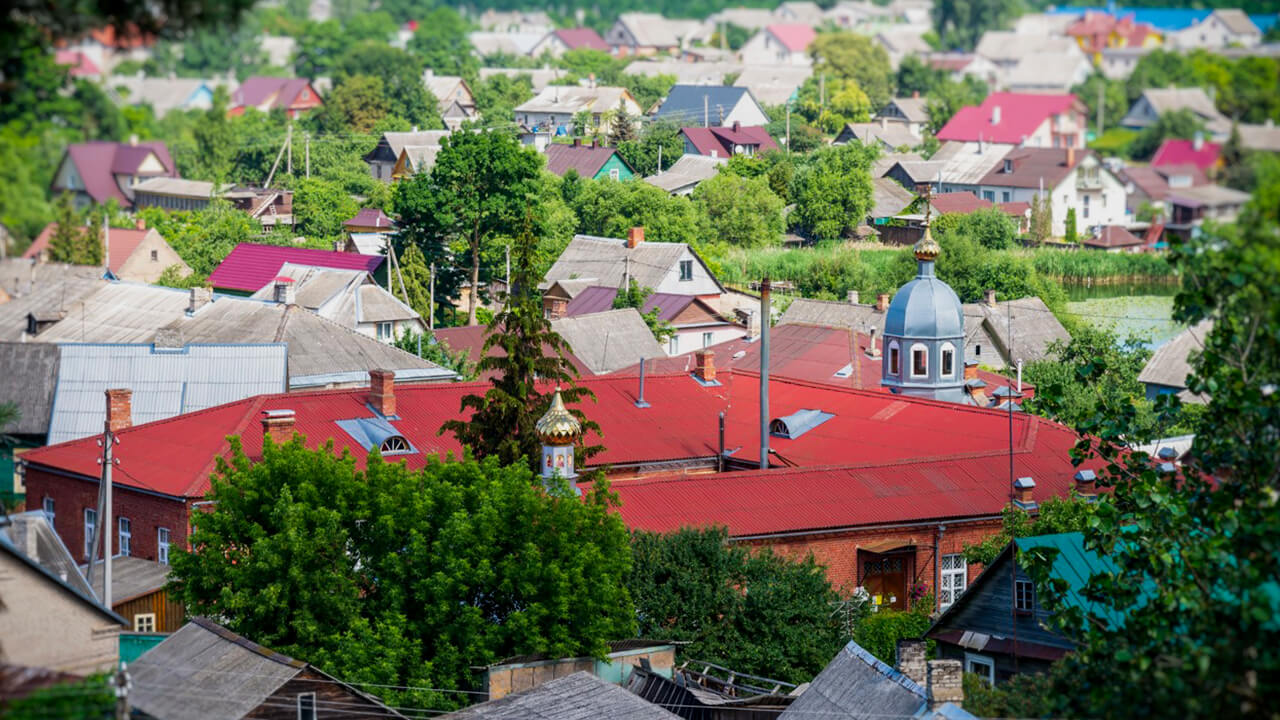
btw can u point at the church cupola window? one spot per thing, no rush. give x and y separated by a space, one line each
948 361
895 360
919 360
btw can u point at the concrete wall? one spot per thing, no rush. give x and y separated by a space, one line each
45 625
506 679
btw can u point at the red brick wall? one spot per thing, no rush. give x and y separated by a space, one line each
838 551
146 513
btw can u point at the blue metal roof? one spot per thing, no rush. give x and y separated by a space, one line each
1163 18
925 308
690 104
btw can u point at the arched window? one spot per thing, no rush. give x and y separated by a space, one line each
919 361
948 366
394 444
895 359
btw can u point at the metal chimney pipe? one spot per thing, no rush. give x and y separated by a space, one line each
764 373
640 403
720 456
1019 377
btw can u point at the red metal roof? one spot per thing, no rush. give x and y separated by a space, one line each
1113 236
369 217
176 456
250 267
281 91
575 38
795 37
1020 114
958 202
721 140
1175 151
586 159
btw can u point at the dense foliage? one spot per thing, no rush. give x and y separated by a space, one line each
880 631
88 699
405 578
743 608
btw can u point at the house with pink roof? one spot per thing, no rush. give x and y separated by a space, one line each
78 62
559 42
251 267
293 95
136 254
725 142
98 171
1205 156
1049 120
780 44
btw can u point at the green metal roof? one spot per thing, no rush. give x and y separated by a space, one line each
1075 565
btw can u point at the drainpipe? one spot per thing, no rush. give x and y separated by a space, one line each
937 567
764 373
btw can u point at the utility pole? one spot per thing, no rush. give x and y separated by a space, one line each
306 141
788 142
1102 99
276 164
288 143
121 683
102 527
508 280
659 158
431 319
822 91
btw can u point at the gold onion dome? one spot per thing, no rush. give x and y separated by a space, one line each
558 426
926 248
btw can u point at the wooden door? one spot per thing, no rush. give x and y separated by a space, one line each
886 576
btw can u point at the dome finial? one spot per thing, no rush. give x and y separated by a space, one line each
558 426
926 248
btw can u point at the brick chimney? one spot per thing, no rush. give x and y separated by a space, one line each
140 224
200 296
873 351
119 409
284 291
971 370
882 302
635 236
945 683
1085 484
853 297
1023 492
277 425
706 367
989 297
911 660
1071 156
382 391
737 126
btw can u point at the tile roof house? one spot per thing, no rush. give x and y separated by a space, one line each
350 298
1071 180
1097 31
250 267
453 96
137 254
697 324
1206 156
580 696
725 142
383 157
596 162
960 203
292 95
662 266
1167 370
1151 185
559 42
1114 238
687 172
1154 102
98 171
711 106
204 671
639 34
1034 120
779 44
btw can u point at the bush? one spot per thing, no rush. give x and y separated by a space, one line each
880 631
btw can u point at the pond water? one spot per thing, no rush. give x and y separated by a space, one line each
1128 309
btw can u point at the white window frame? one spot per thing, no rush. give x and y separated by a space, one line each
673 345
385 331
1024 589
686 265
895 358
90 525
124 533
144 622
48 505
615 174
954 579
921 347
707 339
310 713
942 360
162 545
988 665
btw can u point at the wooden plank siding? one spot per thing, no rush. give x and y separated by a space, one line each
170 614
333 699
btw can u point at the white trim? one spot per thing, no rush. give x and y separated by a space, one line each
311 712
124 532
148 618
942 373
895 358
971 659
90 526
162 545
912 358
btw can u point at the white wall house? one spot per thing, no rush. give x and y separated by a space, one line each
1069 180
1222 28
779 45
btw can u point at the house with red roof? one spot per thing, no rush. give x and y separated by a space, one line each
779 44
98 171
79 63
1029 119
1069 179
369 220
137 254
725 142
559 42
588 160
696 322
891 477
1205 156
1115 239
250 267
1098 31
292 95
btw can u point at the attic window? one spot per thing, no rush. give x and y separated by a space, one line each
1008 166
377 432
395 444
797 423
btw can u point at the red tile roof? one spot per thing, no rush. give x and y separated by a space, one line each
99 161
723 139
176 456
586 159
1020 115
81 65
250 267
796 37
575 38
958 202
1016 209
1175 151
120 245
1033 166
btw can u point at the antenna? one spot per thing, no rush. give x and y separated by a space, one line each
1013 551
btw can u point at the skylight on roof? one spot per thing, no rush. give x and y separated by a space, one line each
797 423
377 433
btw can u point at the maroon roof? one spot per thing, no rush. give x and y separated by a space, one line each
586 159
370 217
575 38
250 267
962 203
1017 208
1020 115
256 90
99 161
1031 166
599 298
1113 236
722 140
470 339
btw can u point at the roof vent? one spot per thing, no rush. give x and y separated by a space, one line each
797 423
1023 489
377 433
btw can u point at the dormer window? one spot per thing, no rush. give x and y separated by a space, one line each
1008 166
394 444
948 361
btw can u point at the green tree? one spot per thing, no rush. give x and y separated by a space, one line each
1115 103
531 357
438 352
879 632
319 46
1181 124
1071 235
1041 218
441 41
857 59
401 76
642 154
991 227
475 194
214 144
66 244
320 207
610 209
498 95
1194 553
1055 515
916 76
88 699
634 296
357 104
204 238
404 577
730 36
622 126
736 606
1158 68
739 210
961 23
948 97
833 194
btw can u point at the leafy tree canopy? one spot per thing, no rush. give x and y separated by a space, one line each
854 58
739 210
609 209
441 41
961 23
833 193
1173 124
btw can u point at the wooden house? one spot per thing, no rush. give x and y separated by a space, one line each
138 594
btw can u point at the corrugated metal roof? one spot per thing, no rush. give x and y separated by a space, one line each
856 685
608 341
30 372
249 267
580 696
165 382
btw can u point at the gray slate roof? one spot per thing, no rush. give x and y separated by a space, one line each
131 577
773 84
580 696
45 289
1171 362
857 685
166 382
588 257
30 372
1035 327
686 104
687 172
608 341
31 539
888 198
832 313
347 297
